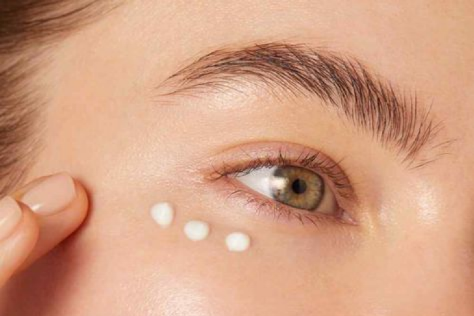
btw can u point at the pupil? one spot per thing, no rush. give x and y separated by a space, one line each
298 186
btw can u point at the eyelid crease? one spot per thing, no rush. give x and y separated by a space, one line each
307 158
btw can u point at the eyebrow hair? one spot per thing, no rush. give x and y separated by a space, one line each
342 82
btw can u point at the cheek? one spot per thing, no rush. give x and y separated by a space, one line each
123 263
147 269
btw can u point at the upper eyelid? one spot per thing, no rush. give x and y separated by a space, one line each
276 153
279 208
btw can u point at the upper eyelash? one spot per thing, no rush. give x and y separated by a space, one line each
314 161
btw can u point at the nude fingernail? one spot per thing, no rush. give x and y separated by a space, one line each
52 195
10 216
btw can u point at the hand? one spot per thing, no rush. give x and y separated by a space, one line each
36 218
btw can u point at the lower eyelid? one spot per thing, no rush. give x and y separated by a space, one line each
219 169
266 208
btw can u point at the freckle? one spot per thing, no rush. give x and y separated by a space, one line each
196 230
237 242
163 214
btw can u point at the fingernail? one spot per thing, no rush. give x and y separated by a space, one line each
52 195
10 216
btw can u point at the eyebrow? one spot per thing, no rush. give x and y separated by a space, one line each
371 103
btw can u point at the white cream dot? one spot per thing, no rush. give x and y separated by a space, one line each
196 230
162 213
237 242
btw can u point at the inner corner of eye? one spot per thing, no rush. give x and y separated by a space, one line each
295 187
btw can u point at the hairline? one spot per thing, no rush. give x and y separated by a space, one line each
21 59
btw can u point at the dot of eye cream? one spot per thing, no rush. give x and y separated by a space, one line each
237 242
163 214
196 230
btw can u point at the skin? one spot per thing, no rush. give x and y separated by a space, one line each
411 250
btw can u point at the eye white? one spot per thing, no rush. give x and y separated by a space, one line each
263 181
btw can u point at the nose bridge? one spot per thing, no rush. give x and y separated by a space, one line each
445 256
444 271
426 243
429 274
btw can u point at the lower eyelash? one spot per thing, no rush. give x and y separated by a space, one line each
270 155
277 210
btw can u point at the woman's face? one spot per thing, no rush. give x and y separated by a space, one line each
115 120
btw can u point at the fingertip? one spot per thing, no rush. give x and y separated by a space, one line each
80 205
17 247
28 230
56 227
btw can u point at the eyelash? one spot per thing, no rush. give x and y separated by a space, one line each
314 161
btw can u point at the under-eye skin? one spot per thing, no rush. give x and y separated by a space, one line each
287 181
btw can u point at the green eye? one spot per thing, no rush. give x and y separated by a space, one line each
294 186
297 187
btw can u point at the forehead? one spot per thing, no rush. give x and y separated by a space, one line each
425 46
415 43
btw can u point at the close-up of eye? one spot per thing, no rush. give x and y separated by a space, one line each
290 180
294 186
236 158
